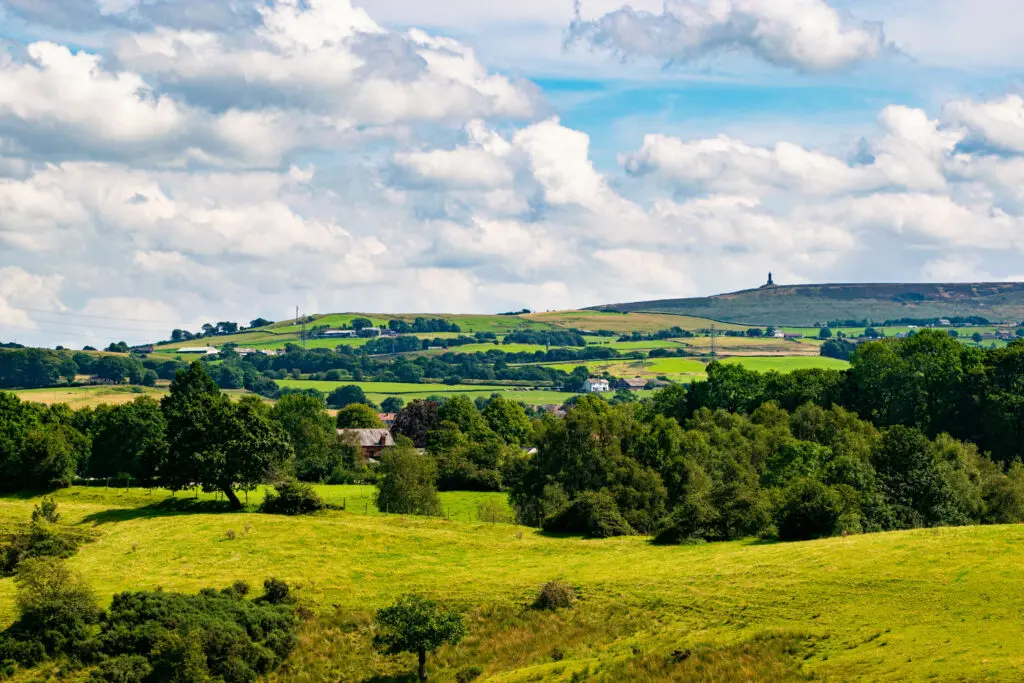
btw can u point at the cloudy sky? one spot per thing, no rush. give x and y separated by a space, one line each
169 162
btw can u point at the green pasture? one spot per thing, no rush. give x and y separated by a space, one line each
632 322
787 363
930 604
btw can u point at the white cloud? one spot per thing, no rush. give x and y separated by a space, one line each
331 58
71 91
805 35
998 124
21 290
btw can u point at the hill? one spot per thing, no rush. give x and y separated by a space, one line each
929 603
806 305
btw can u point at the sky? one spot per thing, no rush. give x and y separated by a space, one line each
165 163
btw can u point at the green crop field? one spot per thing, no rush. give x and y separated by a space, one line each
787 364
930 604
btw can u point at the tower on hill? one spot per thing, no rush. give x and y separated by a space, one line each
770 283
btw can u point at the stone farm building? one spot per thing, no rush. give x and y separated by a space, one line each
595 385
372 441
634 384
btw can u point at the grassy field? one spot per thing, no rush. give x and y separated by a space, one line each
92 396
750 346
784 364
935 604
378 391
633 322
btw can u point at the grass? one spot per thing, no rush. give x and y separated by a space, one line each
378 391
633 322
784 364
936 604
92 396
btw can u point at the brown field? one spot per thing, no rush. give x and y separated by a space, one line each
747 346
92 396
632 322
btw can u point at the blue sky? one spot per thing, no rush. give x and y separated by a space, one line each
168 162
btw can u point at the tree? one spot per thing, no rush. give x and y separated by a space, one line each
260 322
416 420
346 396
118 347
418 625
128 439
311 433
824 333
392 404
508 420
215 444
406 483
55 605
361 323
358 416
976 337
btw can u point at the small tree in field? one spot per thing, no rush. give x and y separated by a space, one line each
418 625
406 483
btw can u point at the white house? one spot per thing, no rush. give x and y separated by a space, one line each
338 333
779 334
595 385
199 350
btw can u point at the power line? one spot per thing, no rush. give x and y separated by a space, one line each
107 317
90 326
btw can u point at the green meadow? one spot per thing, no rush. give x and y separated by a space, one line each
933 604
788 363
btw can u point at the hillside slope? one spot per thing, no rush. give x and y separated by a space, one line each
806 305
937 604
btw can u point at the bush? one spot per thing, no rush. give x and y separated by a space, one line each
215 635
42 537
555 594
292 498
593 513
56 611
809 510
692 519
494 512
470 673
122 669
46 511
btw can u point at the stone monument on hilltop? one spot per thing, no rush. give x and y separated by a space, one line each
770 283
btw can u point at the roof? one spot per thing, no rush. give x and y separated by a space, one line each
635 382
197 349
592 380
371 437
387 417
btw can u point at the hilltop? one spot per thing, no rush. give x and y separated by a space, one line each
807 305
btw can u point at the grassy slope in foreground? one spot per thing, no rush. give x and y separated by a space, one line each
805 305
936 603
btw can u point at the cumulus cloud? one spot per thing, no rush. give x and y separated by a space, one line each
332 58
997 125
804 35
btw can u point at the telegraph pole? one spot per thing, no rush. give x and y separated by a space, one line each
713 350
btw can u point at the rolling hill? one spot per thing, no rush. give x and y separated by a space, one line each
806 305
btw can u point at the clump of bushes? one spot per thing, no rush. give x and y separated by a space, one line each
593 513
149 636
41 537
555 594
292 498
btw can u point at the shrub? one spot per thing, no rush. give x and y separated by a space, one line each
215 635
42 537
122 669
593 513
46 511
56 610
292 498
809 510
470 673
693 519
492 511
555 594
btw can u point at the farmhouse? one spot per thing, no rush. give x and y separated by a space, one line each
338 333
198 350
595 385
388 419
779 334
634 384
372 441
